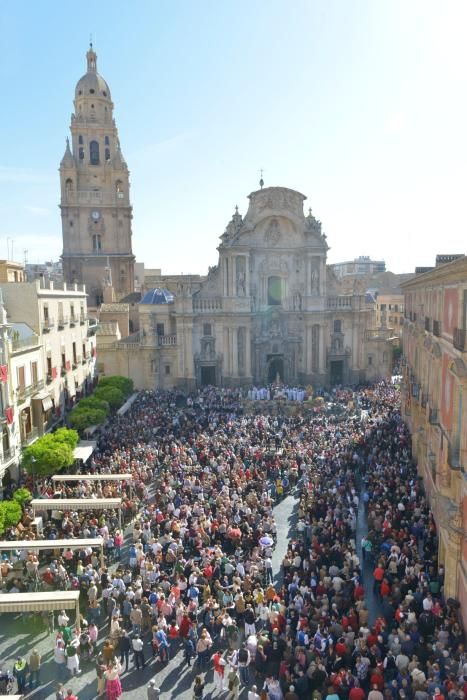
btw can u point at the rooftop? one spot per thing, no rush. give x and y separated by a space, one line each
158 296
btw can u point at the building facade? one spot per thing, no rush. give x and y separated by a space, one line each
40 315
361 266
95 195
390 311
271 309
435 406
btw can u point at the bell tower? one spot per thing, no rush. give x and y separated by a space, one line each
95 194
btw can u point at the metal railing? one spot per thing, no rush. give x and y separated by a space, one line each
437 328
47 325
27 438
8 453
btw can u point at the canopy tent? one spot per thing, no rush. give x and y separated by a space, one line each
92 477
67 504
123 409
15 545
84 450
33 602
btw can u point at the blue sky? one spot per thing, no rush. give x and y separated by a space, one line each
359 104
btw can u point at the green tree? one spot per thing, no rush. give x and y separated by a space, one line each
93 402
82 418
11 513
22 496
2 522
69 437
47 456
123 383
114 397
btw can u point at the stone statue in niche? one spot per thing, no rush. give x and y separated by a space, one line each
241 277
297 301
273 234
314 280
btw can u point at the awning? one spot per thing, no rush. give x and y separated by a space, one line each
15 545
67 504
44 398
92 477
28 602
123 409
83 453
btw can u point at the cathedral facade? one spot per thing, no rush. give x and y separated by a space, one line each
271 309
95 194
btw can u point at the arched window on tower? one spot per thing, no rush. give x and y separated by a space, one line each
81 153
80 140
69 187
107 153
96 243
107 141
119 189
274 291
94 152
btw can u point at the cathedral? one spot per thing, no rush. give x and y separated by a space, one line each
271 309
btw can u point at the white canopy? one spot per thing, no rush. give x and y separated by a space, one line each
33 602
92 477
67 504
123 409
51 544
84 449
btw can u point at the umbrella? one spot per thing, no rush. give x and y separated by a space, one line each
266 541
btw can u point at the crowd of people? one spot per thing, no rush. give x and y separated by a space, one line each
195 576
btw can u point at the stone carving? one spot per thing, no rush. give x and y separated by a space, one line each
241 276
278 199
315 279
273 234
297 301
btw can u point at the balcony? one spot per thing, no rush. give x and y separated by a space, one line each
437 328
164 340
207 305
19 344
62 322
8 453
434 416
73 321
27 438
48 324
454 456
459 338
82 320
343 301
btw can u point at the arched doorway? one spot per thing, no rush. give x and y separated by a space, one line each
275 368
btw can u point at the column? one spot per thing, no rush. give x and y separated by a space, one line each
234 333
226 352
308 350
233 286
248 371
247 275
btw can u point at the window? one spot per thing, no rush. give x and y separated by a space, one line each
107 141
92 91
81 153
370 360
72 312
80 140
338 326
34 373
107 153
49 366
159 329
274 291
71 224
167 369
46 313
207 329
96 243
94 153
383 307
75 360
5 441
69 186
21 378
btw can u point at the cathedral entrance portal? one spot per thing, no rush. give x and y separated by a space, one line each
337 372
275 368
208 375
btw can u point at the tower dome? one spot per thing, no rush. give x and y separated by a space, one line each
92 84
